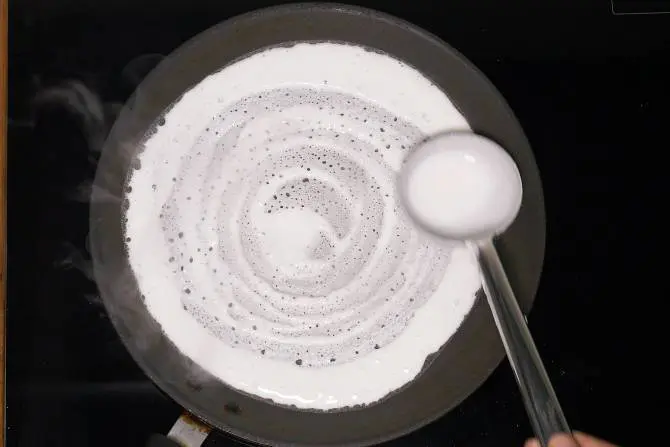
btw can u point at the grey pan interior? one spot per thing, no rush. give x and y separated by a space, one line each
463 363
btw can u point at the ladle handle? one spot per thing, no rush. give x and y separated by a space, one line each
186 432
539 398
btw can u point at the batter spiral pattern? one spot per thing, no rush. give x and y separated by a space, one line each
301 251
266 236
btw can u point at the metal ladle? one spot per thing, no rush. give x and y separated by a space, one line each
422 176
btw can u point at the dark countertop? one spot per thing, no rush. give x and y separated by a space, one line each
591 91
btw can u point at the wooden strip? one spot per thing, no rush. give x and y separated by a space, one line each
4 68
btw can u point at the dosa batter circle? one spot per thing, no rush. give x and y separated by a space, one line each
265 233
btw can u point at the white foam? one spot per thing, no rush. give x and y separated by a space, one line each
266 234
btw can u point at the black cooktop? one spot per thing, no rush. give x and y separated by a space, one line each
590 89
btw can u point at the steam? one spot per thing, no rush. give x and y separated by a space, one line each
94 118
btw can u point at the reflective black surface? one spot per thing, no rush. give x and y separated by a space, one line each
590 90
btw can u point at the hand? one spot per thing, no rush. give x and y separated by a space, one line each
562 440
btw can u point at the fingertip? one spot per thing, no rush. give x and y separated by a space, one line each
532 443
586 440
562 440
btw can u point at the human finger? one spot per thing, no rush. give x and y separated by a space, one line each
585 440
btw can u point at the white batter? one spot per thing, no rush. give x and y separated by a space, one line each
267 236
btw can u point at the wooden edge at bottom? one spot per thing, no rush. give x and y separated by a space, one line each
4 68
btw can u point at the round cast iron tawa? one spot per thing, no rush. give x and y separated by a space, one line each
464 362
